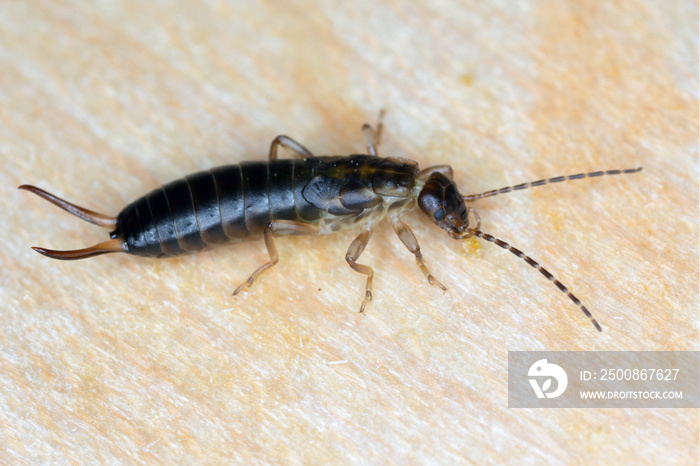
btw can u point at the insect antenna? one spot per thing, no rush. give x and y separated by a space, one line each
537 266
556 179
113 245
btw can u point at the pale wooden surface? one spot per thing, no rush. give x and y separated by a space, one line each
121 359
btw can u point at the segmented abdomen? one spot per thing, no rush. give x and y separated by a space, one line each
232 202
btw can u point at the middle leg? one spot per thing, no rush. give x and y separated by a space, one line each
354 252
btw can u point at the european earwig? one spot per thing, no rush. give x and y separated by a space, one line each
307 195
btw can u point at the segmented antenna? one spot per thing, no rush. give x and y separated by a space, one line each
556 179
534 264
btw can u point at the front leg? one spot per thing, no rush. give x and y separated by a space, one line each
444 169
409 240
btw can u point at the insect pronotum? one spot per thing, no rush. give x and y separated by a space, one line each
306 195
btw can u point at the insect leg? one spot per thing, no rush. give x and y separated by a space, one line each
409 239
291 145
354 252
372 137
444 169
284 227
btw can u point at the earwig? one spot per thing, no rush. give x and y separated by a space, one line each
306 195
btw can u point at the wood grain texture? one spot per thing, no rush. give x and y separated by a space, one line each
121 359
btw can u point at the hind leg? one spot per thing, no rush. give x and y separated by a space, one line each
283 227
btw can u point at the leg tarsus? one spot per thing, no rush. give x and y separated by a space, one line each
354 251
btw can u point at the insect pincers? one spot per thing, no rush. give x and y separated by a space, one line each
305 195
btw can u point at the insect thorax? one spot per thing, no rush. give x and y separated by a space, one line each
360 190
329 223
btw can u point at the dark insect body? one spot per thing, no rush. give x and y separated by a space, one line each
307 195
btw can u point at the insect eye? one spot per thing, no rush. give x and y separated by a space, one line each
439 215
